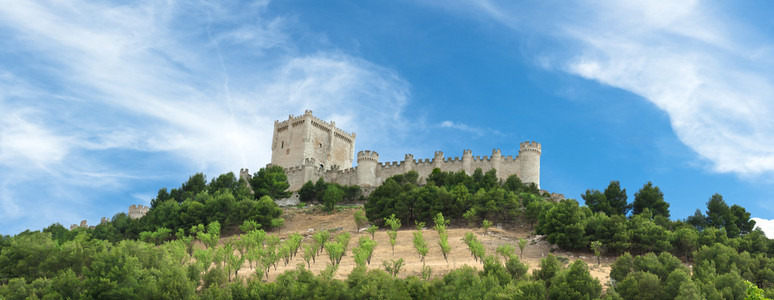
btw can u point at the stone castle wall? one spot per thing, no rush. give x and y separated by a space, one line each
371 173
309 148
302 137
137 211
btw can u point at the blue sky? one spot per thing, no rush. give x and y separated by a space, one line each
103 103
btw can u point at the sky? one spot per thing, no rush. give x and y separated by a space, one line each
104 102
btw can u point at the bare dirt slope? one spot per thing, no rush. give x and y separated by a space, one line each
306 223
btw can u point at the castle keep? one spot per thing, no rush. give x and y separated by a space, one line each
309 148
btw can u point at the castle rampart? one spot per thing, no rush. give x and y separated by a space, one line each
309 148
137 211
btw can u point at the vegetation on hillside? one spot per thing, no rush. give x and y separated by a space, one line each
156 256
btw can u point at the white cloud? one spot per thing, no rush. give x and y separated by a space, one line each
200 83
467 128
766 225
26 144
702 66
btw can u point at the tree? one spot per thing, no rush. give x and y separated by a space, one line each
271 181
162 196
650 197
640 285
718 212
616 199
596 201
522 244
227 181
598 249
393 232
307 193
264 211
372 230
685 240
393 266
735 219
197 183
697 220
443 237
331 197
564 225
360 219
486 224
575 283
743 222
475 246
420 244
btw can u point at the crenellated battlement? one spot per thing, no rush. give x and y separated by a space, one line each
308 116
309 148
367 155
137 211
530 146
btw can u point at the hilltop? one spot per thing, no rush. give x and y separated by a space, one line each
310 219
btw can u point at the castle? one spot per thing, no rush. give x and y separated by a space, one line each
309 148
135 212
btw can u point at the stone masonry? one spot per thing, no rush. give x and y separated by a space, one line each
309 148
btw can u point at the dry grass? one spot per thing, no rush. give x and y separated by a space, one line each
306 223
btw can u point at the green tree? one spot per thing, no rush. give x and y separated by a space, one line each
197 183
227 181
616 199
596 201
522 245
332 196
598 249
685 240
549 267
516 268
743 222
485 225
360 219
393 232
420 244
575 283
307 193
393 266
264 211
564 225
271 181
650 197
640 285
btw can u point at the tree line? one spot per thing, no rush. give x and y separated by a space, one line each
155 256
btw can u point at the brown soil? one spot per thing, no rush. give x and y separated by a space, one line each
309 220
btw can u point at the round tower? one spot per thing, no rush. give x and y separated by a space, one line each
366 167
529 160
467 160
496 159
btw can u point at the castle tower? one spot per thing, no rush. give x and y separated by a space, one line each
306 137
438 159
467 160
366 167
496 159
529 159
408 162
244 174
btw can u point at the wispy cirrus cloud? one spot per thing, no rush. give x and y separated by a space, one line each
467 128
99 96
706 68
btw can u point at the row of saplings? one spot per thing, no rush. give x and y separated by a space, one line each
263 252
